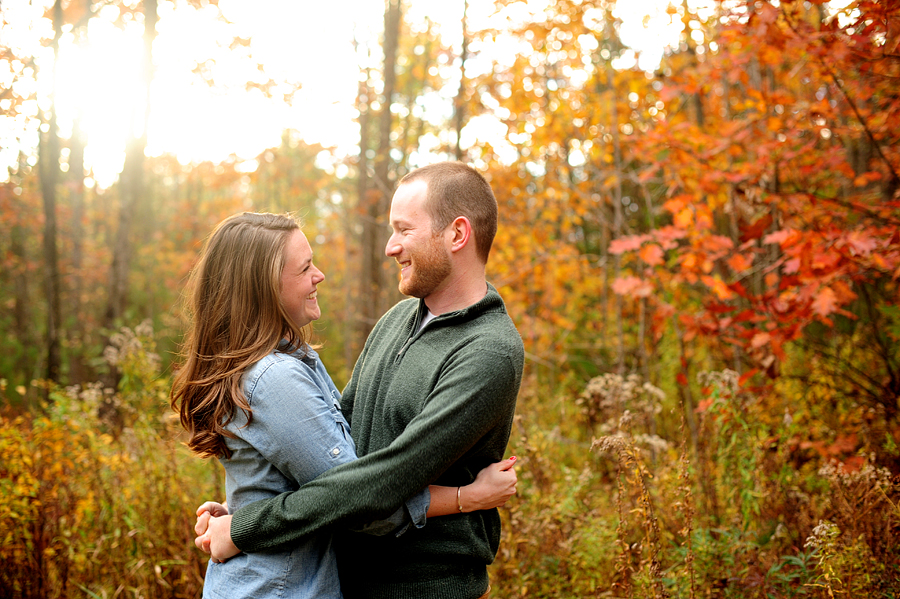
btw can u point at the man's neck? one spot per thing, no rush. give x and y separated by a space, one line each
457 293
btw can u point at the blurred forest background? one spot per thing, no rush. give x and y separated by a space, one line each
702 260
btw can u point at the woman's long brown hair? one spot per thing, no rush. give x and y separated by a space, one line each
236 318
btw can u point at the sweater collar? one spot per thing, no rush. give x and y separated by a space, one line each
490 302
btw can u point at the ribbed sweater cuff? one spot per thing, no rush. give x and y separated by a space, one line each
242 534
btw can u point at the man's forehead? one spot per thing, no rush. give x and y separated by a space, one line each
409 200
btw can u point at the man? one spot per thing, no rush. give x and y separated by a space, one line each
430 401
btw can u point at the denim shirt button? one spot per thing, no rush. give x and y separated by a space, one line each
336 451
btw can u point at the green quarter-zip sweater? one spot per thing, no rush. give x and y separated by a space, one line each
427 407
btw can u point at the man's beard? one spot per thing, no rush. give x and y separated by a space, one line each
430 266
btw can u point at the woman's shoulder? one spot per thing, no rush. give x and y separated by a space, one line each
274 368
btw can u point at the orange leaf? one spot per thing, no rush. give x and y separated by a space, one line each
825 302
739 263
777 236
861 243
792 266
632 286
760 339
704 404
652 254
718 287
627 244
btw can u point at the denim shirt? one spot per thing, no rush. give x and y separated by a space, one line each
297 432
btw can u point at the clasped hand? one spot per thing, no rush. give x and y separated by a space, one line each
213 529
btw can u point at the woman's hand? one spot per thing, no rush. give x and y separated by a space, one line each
216 540
492 487
213 509
213 529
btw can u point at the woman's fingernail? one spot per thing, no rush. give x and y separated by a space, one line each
512 457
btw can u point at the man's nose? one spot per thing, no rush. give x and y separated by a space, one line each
392 248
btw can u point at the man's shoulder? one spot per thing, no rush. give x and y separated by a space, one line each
493 321
496 334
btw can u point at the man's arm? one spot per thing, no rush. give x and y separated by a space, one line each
493 486
449 425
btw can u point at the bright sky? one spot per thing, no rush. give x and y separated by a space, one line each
297 40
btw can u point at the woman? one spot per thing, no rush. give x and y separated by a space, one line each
253 393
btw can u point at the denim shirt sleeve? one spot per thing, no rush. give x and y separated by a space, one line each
297 426
412 513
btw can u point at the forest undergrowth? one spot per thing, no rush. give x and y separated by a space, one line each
622 493
621 496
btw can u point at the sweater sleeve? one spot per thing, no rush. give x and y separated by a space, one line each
475 394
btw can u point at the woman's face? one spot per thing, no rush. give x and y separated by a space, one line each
299 279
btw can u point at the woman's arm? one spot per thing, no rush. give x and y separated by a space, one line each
493 486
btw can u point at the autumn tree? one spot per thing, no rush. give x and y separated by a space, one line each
781 233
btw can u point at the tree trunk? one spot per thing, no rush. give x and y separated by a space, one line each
618 217
22 321
359 322
49 175
131 186
131 183
376 202
78 371
459 104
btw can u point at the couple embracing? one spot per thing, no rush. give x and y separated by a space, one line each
389 489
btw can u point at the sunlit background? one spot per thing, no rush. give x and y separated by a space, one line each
201 107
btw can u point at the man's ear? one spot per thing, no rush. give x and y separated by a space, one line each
460 233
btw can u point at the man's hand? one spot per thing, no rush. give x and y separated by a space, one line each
213 530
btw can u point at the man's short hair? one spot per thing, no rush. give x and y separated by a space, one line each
456 189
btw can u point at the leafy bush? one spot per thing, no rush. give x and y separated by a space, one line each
88 509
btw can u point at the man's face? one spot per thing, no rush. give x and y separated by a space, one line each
422 256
